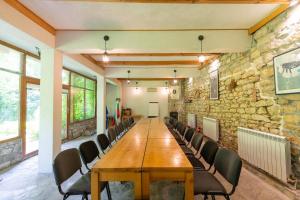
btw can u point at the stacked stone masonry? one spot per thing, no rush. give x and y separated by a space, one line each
251 102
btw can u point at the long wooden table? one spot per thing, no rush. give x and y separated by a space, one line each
148 152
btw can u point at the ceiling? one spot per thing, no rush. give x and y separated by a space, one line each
92 15
158 29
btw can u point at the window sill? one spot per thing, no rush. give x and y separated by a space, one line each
9 139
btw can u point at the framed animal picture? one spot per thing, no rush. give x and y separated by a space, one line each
287 72
214 85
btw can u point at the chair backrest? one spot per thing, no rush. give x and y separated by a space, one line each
189 134
103 142
209 151
131 120
229 164
112 134
176 125
65 165
182 129
120 127
125 124
88 151
197 141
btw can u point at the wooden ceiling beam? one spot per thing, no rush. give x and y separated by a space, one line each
268 18
149 79
189 1
149 63
31 15
153 54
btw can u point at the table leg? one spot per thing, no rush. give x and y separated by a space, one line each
189 186
137 187
146 185
95 193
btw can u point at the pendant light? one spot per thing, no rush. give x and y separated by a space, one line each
201 58
175 80
105 57
128 72
136 85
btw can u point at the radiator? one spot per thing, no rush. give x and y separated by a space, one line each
191 120
211 128
266 151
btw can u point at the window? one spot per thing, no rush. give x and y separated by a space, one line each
65 77
10 68
83 98
33 67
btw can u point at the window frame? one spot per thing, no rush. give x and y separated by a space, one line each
85 89
24 80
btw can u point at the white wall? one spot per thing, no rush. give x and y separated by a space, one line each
138 99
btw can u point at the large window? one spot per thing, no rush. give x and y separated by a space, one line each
83 98
10 69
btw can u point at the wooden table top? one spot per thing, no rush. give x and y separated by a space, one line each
166 154
149 145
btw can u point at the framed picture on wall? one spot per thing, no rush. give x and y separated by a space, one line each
214 84
287 72
174 92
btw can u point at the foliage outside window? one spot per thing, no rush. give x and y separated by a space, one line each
10 69
83 98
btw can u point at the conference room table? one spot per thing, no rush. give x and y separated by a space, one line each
147 152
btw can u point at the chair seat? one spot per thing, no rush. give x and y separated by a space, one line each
186 150
207 183
197 165
83 185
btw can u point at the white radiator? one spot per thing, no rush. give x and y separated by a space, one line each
211 128
191 119
267 151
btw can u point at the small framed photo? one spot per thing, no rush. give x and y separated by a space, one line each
287 72
214 84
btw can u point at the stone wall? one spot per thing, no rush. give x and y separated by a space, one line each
10 152
85 128
252 103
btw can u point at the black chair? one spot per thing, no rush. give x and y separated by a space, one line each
228 164
103 142
89 152
181 132
131 121
112 136
196 144
65 165
120 129
125 125
208 153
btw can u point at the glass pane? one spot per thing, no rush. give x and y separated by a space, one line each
77 104
65 77
9 105
77 80
90 104
64 128
90 84
33 67
10 59
32 118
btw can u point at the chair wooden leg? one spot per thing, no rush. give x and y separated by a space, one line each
205 197
227 197
213 197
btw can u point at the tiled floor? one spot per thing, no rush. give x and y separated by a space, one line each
23 182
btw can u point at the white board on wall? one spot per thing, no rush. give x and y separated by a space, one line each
153 109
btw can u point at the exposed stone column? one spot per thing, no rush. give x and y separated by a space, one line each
50 121
101 102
